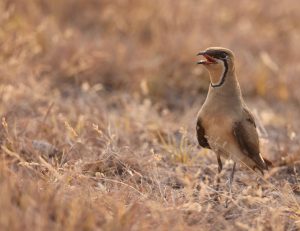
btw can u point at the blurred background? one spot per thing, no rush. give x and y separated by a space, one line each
149 47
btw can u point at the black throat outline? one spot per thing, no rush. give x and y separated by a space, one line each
223 77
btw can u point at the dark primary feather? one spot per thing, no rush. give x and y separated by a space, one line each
250 118
247 138
201 135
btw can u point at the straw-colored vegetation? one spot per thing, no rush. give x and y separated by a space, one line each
98 101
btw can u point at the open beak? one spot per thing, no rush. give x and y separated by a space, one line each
208 59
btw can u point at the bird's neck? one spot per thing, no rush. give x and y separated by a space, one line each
225 83
218 75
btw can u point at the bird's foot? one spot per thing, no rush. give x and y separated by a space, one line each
216 188
229 196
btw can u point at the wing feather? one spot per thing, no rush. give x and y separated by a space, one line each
201 135
247 138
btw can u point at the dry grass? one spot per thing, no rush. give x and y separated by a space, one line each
98 102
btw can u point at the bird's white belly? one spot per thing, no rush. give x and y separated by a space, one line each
223 142
220 137
219 143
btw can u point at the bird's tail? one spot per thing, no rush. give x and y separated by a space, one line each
262 164
269 164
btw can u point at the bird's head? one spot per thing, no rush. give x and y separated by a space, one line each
218 61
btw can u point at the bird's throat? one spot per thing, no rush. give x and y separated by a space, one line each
218 77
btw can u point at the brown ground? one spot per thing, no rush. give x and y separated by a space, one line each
98 102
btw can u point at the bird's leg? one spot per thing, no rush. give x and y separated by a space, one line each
231 177
220 166
230 183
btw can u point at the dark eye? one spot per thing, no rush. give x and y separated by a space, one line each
222 55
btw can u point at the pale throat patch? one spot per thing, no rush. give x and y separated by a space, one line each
217 80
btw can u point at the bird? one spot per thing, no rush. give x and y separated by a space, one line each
224 123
